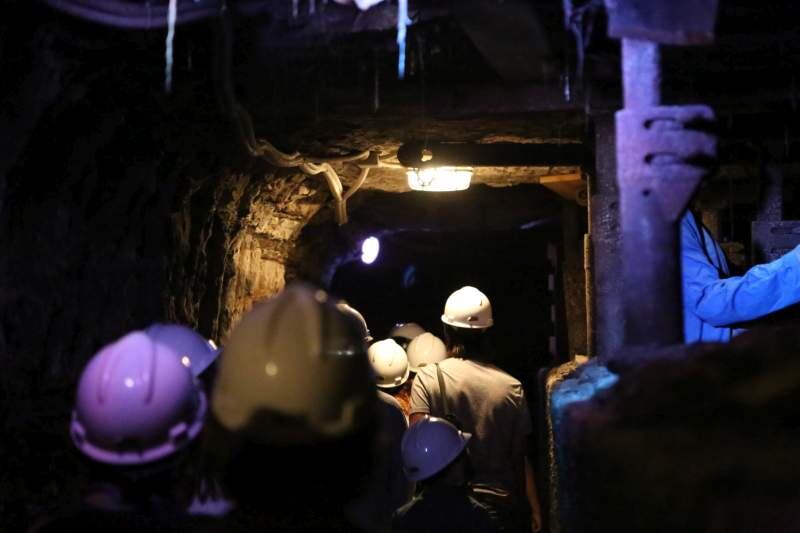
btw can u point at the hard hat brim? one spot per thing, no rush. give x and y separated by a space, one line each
395 385
465 325
148 455
197 370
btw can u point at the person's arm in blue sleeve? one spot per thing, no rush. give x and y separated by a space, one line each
724 302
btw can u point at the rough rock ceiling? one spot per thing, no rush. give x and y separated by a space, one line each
324 82
387 132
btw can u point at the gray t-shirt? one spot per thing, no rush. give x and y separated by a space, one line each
488 403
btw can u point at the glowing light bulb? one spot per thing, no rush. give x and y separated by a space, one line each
439 179
370 249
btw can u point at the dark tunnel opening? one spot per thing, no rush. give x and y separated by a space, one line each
417 270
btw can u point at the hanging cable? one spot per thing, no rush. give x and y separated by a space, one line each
263 149
172 16
402 23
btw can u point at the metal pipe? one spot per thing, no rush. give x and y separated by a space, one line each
641 73
651 274
650 245
588 273
604 229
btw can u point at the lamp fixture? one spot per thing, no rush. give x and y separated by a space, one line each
447 166
439 179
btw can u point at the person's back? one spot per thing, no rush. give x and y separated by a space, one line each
435 455
442 509
486 402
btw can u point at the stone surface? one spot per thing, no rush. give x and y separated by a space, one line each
698 438
119 207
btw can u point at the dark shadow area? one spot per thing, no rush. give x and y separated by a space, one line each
416 272
504 241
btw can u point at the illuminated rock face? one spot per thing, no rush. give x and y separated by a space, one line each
697 438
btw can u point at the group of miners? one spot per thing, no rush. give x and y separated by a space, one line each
284 429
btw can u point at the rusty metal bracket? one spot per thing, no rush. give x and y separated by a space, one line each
662 154
665 151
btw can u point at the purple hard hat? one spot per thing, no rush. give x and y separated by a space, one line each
136 403
429 446
194 351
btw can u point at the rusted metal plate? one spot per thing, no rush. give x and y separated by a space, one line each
663 21
665 151
662 154
772 240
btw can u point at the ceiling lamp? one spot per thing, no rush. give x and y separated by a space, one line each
447 166
439 179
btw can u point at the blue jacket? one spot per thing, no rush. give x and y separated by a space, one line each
713 301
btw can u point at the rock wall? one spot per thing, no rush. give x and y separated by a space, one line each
690 438
119 206
260 249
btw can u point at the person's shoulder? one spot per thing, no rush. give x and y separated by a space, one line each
498 375
453 363
690 230
427 372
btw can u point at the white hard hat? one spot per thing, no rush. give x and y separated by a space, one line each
389 361
425 349
136 403
295 370
346 308
429 446
468 308
407 331
194 351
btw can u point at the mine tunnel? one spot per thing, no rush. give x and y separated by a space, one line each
215 217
